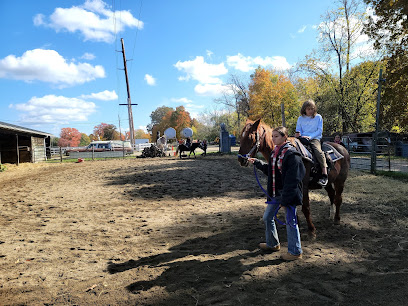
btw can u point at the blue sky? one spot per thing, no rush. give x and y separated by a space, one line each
59 65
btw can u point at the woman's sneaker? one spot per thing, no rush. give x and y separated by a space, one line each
323 181
291 257
263 246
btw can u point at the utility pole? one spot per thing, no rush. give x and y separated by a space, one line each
377 119
129 102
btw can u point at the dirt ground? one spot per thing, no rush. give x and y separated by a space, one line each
164 231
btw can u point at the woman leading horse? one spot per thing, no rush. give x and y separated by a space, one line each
257 137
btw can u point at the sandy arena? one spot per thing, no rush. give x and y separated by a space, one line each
164 231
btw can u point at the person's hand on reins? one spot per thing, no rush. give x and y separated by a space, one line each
252 160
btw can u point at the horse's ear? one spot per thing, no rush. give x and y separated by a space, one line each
256 124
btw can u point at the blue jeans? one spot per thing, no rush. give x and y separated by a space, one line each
272 239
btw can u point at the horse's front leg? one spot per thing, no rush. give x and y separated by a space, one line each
306 212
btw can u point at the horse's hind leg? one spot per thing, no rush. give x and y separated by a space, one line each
331 193
306 212
338 200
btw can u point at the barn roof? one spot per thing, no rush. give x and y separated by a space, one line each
20 129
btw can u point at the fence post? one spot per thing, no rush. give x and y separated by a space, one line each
60 152
375 139
93 152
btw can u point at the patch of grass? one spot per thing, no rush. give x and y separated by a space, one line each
2 168
400 176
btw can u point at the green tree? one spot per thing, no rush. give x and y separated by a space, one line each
236 98
85 140
389 29
140 134
345 91
157 116
106 131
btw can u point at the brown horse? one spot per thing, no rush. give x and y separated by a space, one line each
257 137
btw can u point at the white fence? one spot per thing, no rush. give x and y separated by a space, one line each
139 147
56 150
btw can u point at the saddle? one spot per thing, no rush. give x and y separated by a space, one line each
331 154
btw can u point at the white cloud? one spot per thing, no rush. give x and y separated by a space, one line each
55 109
209 53
181 100
88 56
150 80
201 71
189 105
105 95
39 20
211 89
50 67
94 20
302 29
249 63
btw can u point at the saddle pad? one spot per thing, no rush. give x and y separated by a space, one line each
303 151
333 153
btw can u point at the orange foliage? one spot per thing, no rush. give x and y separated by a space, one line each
267 91
69 137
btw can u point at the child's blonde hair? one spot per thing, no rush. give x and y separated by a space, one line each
307 104
281 130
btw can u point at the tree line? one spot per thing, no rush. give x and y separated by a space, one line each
340 75
71 137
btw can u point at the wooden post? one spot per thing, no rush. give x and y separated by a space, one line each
18 151
60 152
283 114
377 119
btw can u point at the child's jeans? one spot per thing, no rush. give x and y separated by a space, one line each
272 239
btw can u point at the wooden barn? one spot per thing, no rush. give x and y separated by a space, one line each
22 145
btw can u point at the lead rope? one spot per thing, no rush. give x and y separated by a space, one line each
291 209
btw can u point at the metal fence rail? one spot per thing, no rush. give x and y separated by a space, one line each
382 163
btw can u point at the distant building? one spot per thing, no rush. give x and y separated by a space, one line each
23 145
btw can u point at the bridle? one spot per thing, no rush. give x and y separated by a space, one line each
255 147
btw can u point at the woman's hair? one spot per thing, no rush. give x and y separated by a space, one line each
281 130
306 104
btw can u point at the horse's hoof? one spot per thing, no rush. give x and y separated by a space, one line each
336 222
311 235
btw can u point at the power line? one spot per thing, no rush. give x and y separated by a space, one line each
137 31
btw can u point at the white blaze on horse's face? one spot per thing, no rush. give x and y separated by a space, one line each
243 134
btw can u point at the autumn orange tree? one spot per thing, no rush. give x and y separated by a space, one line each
106 131
177 119
268 90
69 137
140 134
